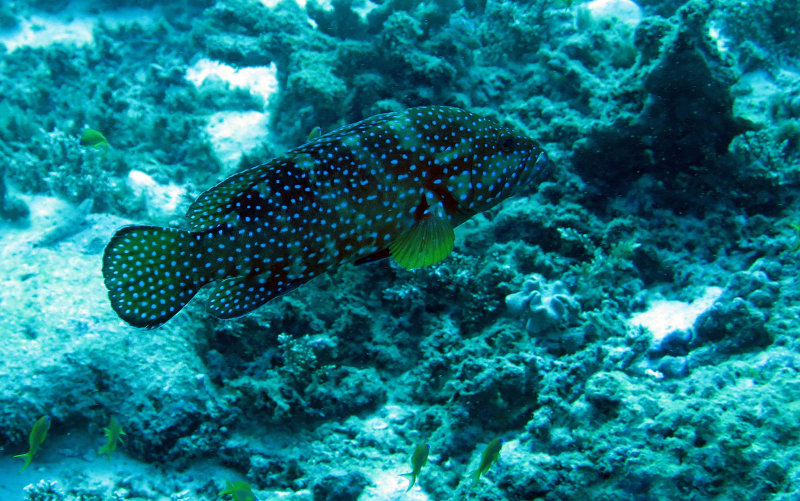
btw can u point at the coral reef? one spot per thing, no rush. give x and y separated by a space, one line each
544 306
11 208
678 124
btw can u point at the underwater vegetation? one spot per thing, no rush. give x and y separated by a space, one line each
627 323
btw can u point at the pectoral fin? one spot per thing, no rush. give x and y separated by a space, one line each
427 242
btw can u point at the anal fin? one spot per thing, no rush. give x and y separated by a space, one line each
236 296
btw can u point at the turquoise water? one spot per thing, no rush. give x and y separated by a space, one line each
623 327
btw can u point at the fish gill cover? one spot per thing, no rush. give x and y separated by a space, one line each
626 328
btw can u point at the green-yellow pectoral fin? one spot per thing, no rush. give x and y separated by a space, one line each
427 242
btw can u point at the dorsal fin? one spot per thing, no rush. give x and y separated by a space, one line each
251 188
211 209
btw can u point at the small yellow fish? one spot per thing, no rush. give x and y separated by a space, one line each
490 455
418 460
239 491
114 434
796 228
94 138
35 439
315 133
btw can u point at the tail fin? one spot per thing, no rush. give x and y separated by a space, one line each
476 477
412 479
28 456
150 273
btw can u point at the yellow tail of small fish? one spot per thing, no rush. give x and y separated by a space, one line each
28 458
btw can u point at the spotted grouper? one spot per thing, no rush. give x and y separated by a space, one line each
393 185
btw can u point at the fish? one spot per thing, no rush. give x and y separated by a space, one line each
796 227
392 185
239 490
113 434
35 439
95 139
315 133
490 455
418 459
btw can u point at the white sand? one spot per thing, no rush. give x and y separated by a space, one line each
664 316
70 26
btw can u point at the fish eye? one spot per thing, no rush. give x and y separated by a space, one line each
507 143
